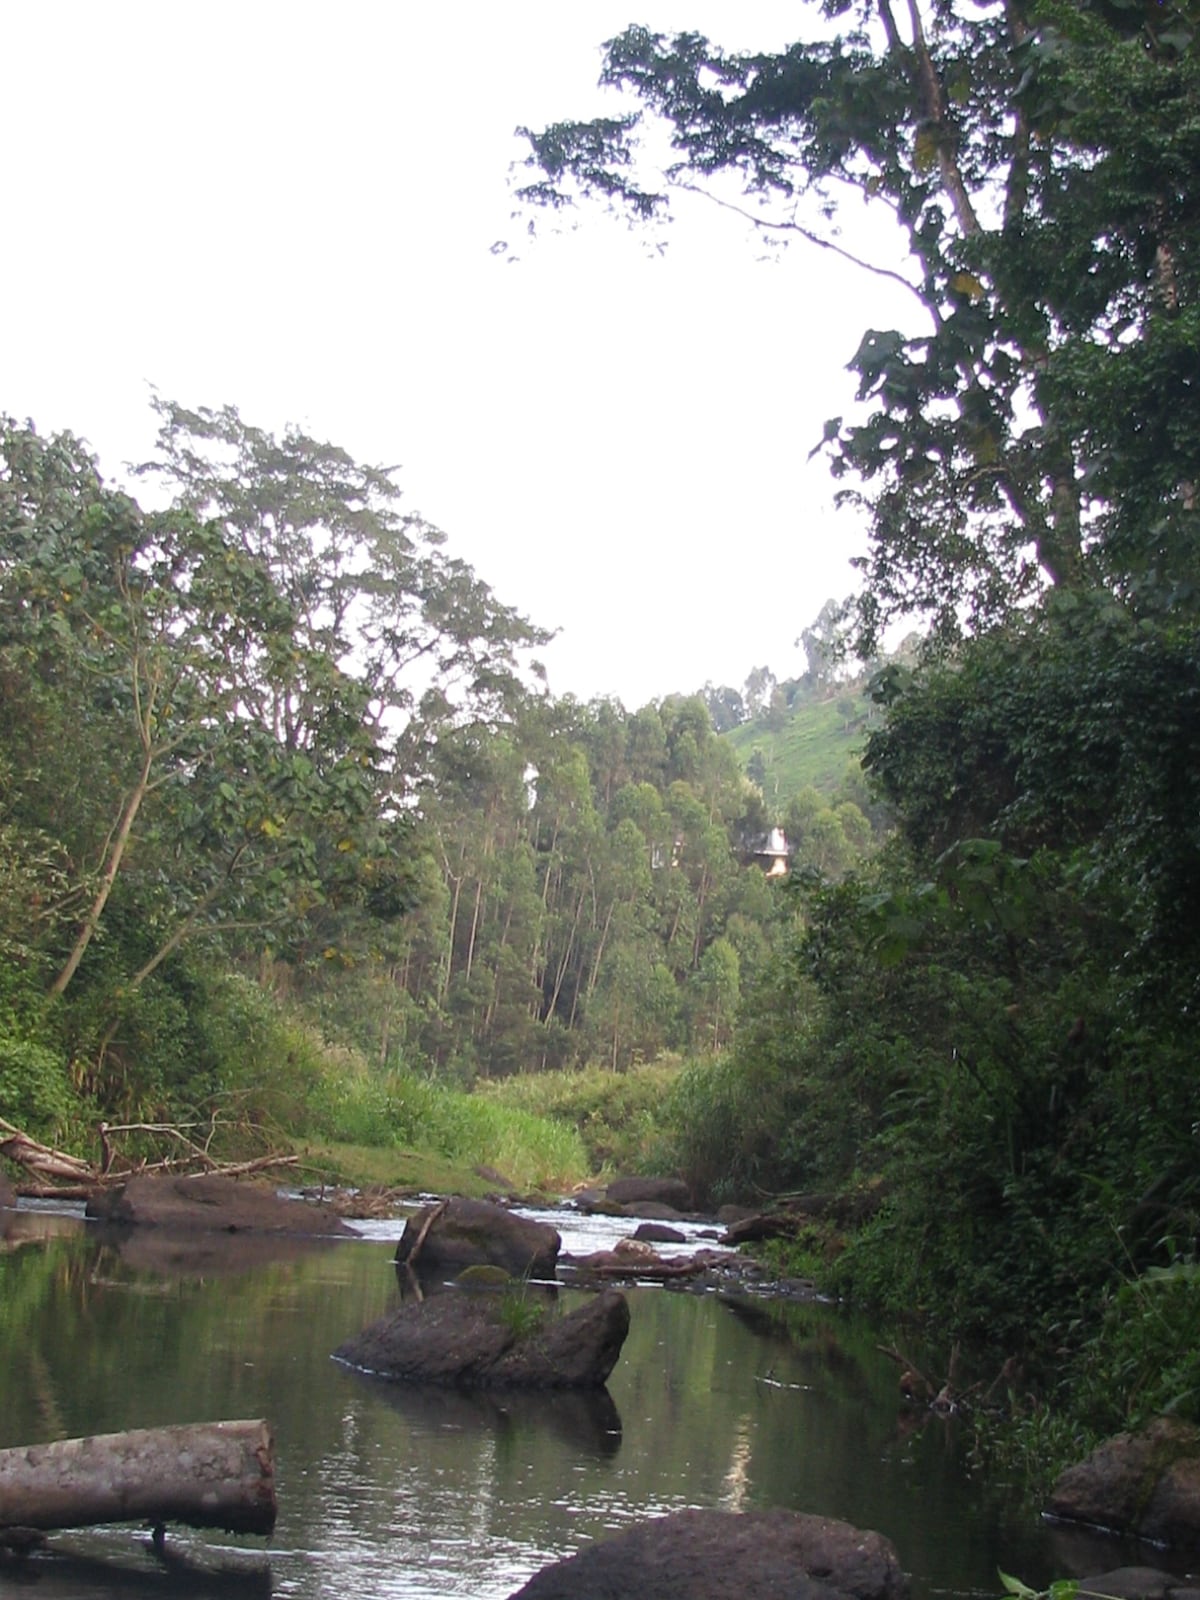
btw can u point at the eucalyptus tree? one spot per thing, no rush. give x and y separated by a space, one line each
1038 162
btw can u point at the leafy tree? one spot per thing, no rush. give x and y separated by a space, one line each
757 690
373 596
226 699
716 986
726 707
824 644
1039 158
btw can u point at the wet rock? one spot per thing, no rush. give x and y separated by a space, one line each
1145 1483
1135 1583
479 1341
8 1195
723 1555
210 1203
655 1211
636 1260
594 1203
658 1233
462 1233
663 1191
760 1225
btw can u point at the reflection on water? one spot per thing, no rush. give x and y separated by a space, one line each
390 1491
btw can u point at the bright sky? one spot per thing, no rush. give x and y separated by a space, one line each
290 207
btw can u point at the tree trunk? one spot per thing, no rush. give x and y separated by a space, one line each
207 1475
108 877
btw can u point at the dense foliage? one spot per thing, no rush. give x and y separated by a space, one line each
990 1032
270 741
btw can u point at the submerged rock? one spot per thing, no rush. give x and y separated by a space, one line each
1145 1483
210 1202
725 1555
494 1340
462 1233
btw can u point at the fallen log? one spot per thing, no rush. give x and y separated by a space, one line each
206 1475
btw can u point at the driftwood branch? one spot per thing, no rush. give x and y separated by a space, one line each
946 1397
37 1157
74 1178
206 1475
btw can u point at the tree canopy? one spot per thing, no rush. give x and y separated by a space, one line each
1038 426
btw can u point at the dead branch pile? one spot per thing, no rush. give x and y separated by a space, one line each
58 1175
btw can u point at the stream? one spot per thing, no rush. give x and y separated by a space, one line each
390 1491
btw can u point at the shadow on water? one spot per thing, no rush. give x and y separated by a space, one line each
105 1568
179 1254
586 1422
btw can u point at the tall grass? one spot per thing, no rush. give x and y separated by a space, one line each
285 1076
618 1116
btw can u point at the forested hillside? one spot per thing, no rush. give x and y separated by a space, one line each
273 744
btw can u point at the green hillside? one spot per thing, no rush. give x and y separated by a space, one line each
811 746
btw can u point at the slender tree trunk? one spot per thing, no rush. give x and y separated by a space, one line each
451 934
595 972
474 925
112 866
566 956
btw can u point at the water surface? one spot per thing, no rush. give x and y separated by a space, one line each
390 1491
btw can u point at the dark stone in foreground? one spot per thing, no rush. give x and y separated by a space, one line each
210 1203
468 1339
465 1233
724 1555
1145 1483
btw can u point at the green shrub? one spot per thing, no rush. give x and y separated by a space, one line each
1145 1358
35 1087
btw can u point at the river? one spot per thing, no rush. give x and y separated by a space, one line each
387 1491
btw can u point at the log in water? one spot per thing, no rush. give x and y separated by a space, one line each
206 1475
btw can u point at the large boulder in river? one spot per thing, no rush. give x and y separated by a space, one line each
725 1555
454 1234
210 1203
494 1340
1145 1483
8 1195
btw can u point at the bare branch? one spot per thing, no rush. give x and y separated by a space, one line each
791 226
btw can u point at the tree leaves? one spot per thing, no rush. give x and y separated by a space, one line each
1043 167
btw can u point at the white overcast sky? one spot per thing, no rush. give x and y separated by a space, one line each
290 207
